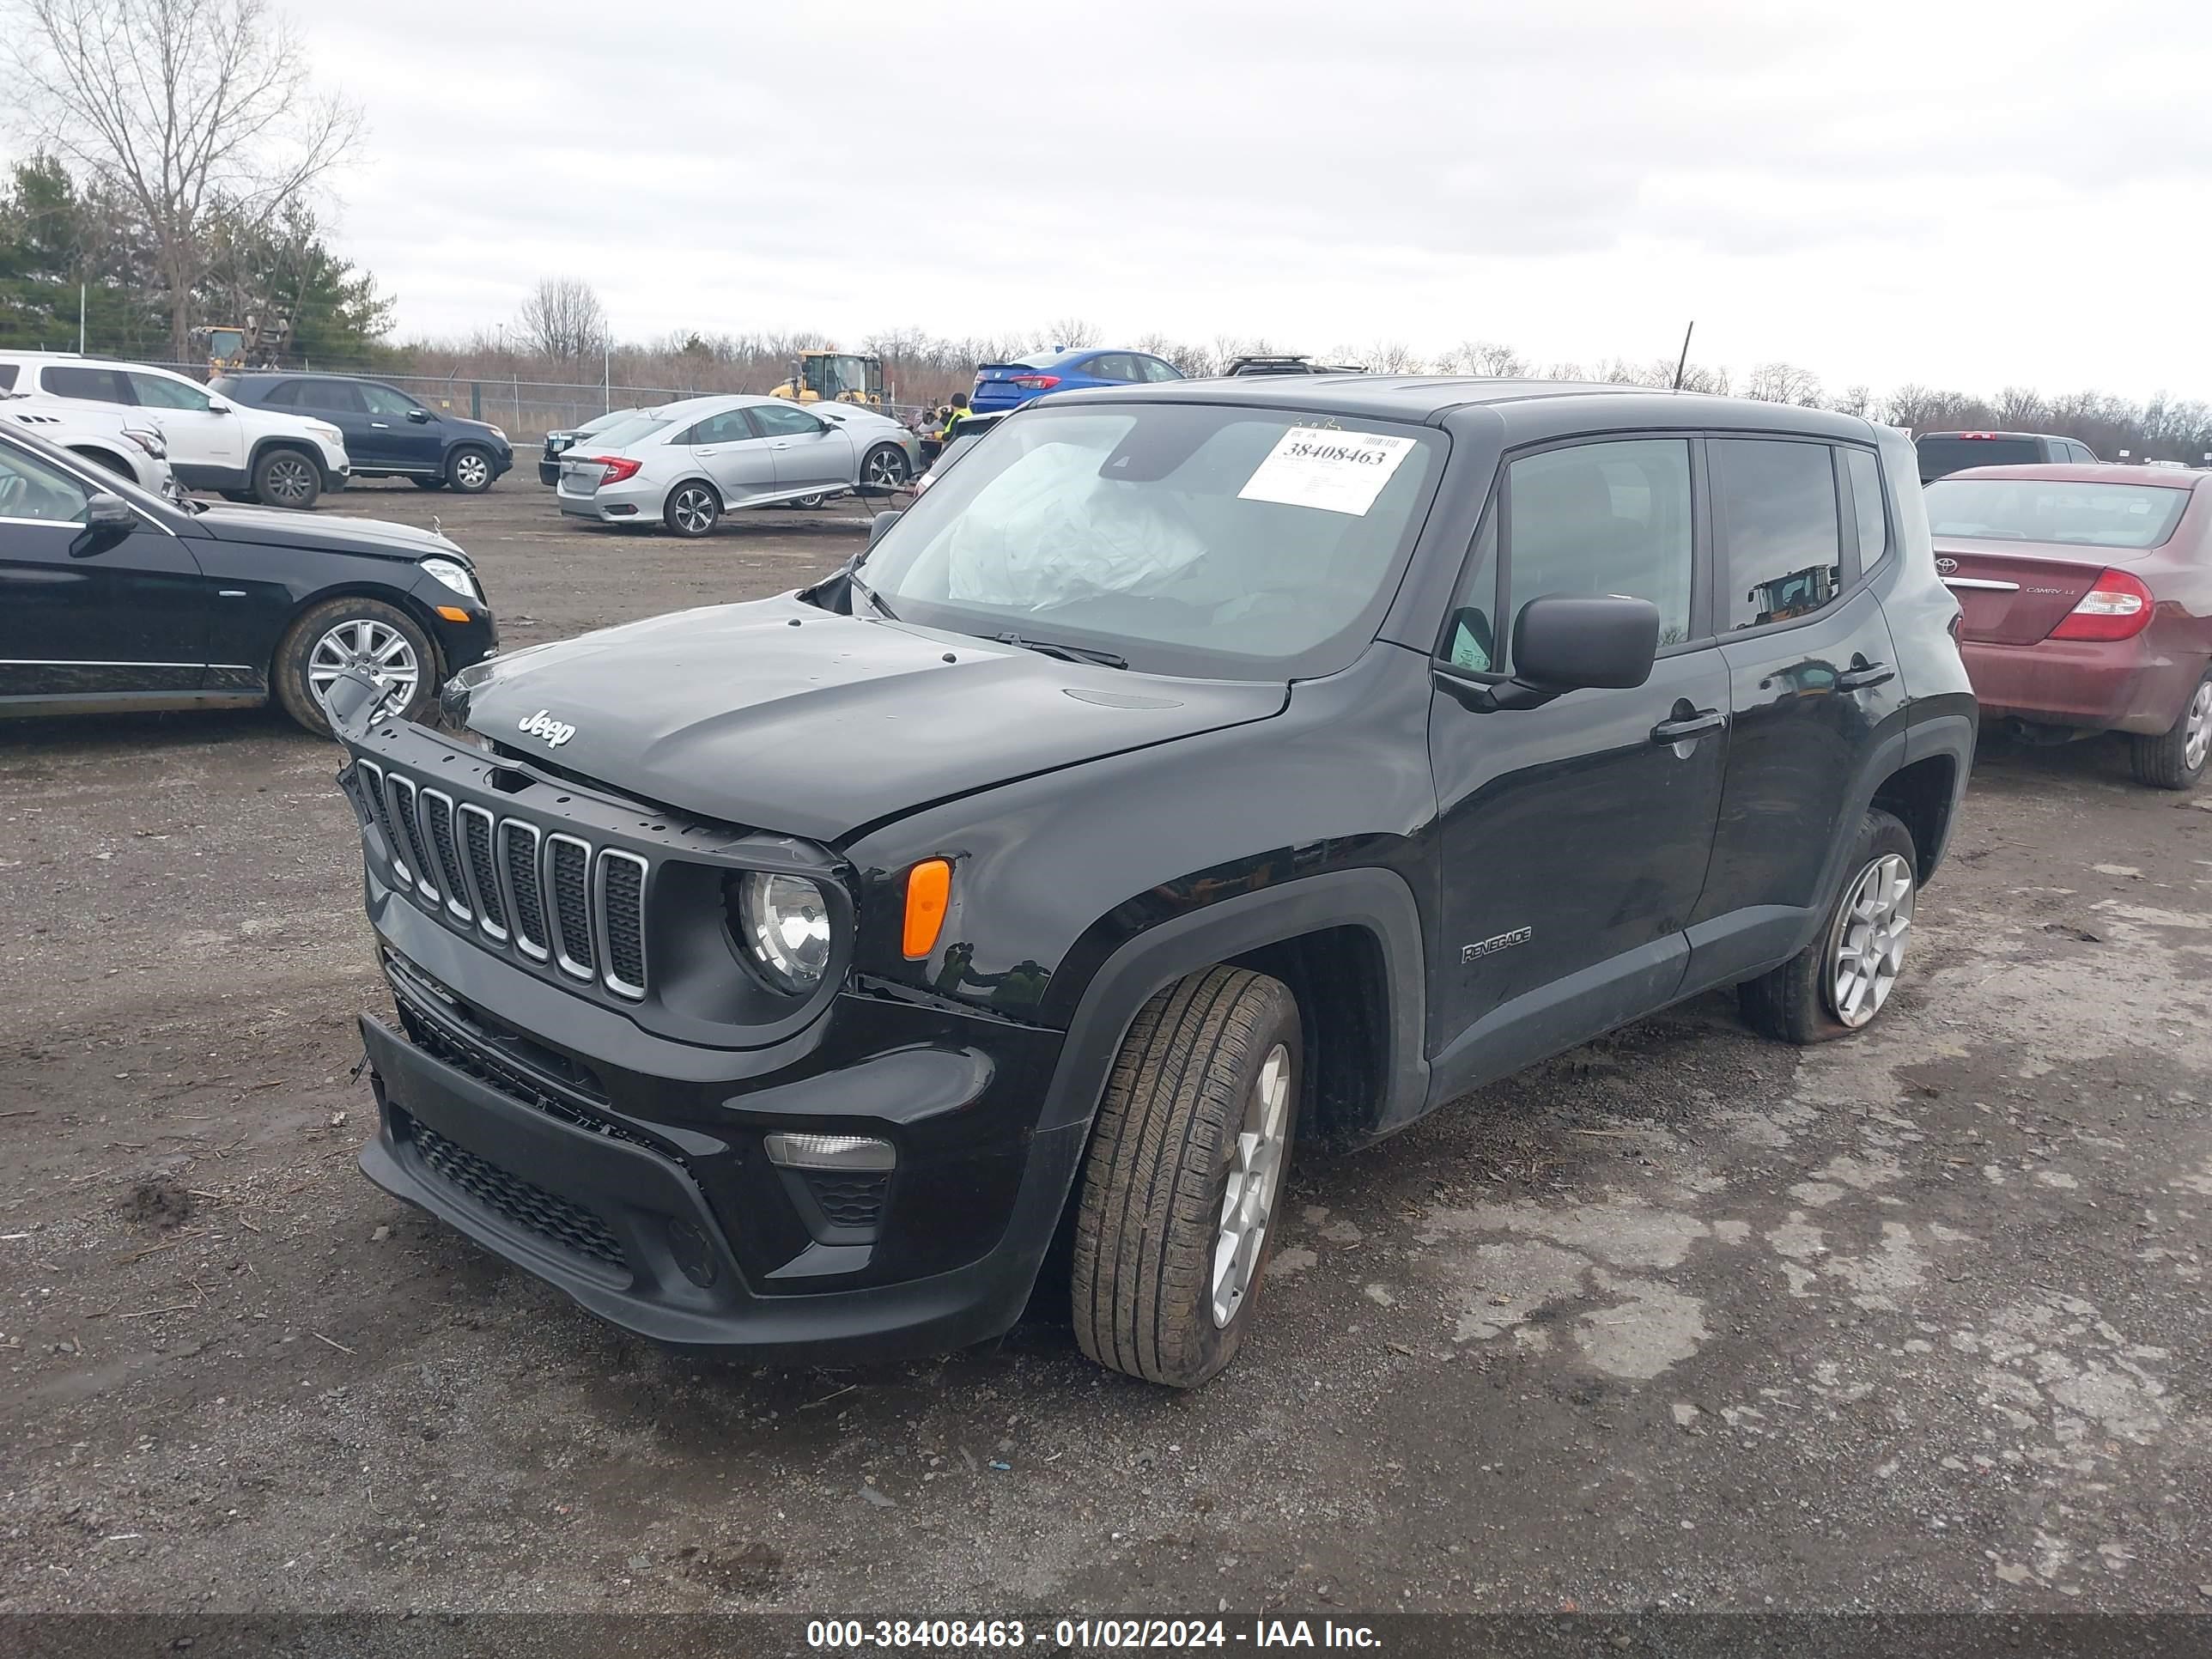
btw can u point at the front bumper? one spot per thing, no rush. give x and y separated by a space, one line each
2100 685
549 472
678 1228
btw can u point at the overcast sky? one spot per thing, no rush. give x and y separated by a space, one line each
1958 194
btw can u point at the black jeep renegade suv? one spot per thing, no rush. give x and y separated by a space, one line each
1190 771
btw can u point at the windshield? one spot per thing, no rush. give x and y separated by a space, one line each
1213 542
2045 510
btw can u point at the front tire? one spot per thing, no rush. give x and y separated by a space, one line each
886 467
2175 758
1837 984
691 509
470 471
287 479
344 633
1173 1225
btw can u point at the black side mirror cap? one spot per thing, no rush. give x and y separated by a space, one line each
1568 641
108 519
882 522
420 416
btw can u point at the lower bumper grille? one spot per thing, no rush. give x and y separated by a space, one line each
549 1215
849 1200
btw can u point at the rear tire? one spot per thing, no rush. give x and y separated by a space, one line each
336 631
1173 1226
1840 982
469 470
287 479
691 509
2175 759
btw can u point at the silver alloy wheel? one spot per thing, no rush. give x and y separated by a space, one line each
2197 735
471 470
885 468
377 648
1866 949
290 479
694 510
809 501
1252 1178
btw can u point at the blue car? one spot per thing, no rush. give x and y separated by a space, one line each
1000 387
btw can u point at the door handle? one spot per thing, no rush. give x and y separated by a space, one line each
1865 676
381 426
780 444
1687 726
710 450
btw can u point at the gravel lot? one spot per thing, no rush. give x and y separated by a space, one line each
1680 1319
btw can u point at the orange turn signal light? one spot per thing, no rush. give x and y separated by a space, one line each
453 613
928 892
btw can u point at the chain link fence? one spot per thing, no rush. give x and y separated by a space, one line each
525 409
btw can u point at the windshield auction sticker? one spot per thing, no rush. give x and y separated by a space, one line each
1335 471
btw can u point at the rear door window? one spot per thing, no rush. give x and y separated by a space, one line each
1112 366
91 385
729 427
332 397
1775 508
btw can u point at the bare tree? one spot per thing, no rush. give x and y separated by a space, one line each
563 319
1499 361
1855 400
1783 383
1072 334
181 106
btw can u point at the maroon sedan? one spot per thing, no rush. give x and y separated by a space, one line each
2086 601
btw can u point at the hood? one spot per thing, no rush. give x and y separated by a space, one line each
276 526
776 715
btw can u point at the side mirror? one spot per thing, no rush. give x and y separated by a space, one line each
218 405
1568 641
420 416
108 519
1561 642
879 524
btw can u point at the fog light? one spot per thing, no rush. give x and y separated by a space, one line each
804 1151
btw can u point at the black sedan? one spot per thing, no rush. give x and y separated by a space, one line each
115 600
567 438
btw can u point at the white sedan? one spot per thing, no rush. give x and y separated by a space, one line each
686 464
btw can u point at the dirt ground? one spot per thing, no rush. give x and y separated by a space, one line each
1680 1320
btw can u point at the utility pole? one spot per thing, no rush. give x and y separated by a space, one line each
80 319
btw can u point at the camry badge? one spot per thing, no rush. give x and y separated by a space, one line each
541 724
1947 566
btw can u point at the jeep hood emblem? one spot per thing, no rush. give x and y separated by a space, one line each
541 724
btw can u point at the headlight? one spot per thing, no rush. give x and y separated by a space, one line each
328 434
150 441
784 922
455 576
499 434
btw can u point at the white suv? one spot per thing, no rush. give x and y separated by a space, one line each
245 454
127 442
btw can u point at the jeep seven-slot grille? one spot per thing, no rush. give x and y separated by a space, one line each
548 894
570 860
548 1214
